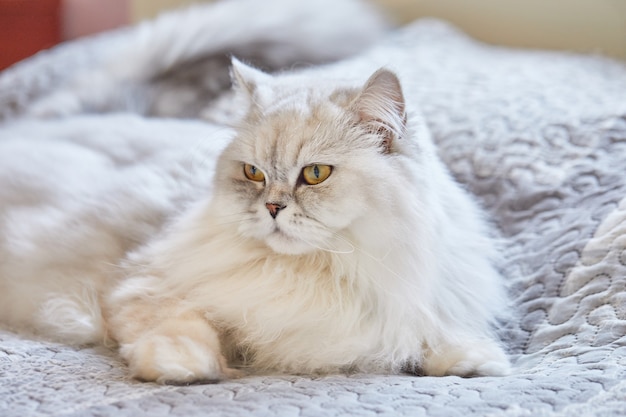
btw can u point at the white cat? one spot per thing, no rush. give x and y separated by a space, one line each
334 241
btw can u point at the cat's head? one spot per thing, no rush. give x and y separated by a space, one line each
310 160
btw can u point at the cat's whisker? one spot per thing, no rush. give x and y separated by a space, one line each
330 250
113 266
382 259
238 220
351 247
334 236
379 260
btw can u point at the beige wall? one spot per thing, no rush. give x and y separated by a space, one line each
142 9
576 25
85 17
597 26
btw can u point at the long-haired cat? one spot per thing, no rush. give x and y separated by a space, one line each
334 241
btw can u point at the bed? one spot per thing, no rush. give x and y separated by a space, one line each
538 137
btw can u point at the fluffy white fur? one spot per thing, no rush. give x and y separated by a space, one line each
384 266
76 195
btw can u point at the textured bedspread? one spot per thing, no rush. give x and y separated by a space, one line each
540 138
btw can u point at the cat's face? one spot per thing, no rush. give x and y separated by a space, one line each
303 167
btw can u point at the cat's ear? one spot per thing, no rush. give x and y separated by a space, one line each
245 78
380 106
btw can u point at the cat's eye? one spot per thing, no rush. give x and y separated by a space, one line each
253 173
315 174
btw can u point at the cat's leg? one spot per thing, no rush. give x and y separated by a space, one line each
178 350
475 357
162 344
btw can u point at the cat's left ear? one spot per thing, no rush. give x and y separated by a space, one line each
245 78
380 106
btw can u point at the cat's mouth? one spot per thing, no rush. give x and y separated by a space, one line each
282 234
282 242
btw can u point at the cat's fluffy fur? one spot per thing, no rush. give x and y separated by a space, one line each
76 195
384 266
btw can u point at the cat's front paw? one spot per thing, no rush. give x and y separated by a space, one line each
478 358
179 359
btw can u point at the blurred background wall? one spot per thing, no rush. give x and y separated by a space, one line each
596 26
576 25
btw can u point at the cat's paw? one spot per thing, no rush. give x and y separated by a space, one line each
479 358
177 359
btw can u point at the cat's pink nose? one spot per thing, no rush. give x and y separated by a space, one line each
274 208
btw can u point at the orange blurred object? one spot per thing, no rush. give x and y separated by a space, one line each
26 27
86 17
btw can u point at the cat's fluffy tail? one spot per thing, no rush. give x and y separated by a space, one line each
173 64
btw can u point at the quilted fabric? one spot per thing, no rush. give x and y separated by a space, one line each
540 138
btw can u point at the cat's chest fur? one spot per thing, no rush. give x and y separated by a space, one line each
334 240
293 313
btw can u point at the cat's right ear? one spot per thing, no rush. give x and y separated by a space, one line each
246 79
381 107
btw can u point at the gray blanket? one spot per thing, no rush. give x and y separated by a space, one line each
540 139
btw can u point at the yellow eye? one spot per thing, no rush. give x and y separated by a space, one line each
315 174
253 173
